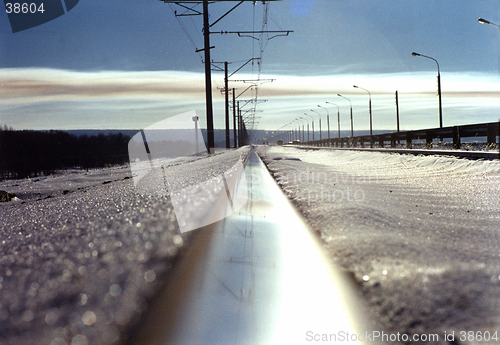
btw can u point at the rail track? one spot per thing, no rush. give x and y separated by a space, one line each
256 277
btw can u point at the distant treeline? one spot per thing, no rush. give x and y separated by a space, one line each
32 153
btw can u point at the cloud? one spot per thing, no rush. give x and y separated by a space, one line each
29 98
477 84
34 85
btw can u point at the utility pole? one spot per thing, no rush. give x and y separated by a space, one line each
226 91
208 61
239 123
241 127
234 117
397 110
208 79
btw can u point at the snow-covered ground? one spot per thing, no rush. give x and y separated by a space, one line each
447 144
419 233
62 182
81 251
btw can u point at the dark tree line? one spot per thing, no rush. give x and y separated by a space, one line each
32 153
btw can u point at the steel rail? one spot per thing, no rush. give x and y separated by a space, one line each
257 277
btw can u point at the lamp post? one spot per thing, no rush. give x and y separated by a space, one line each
327 119
297 129
307 128
303 135
285 133
484 21
312 121
369 108
282 133
352 129
338 116
300 123
314 111
291 134
439 87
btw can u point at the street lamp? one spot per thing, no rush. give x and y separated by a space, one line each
439 87
338 116
369 107
282 133
314 111
484 21
327 119
287 132
292 131
352 129
297 130
307 128
303 135
312 120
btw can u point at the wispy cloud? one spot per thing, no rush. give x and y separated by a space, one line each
474 84
36 84
116 99
49 84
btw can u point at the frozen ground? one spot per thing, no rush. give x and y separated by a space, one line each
446 145
80 252
419 233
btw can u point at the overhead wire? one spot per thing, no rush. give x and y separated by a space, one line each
253 41
275 21
186 31
200 37
253 63
263 40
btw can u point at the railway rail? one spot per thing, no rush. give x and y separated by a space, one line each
256 277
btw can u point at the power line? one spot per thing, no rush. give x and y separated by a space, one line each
186 31
189 9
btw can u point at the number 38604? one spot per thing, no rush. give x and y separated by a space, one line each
24 8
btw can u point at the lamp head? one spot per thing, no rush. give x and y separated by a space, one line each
339 95
483 21
355 86
415 54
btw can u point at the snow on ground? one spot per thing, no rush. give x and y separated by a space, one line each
419 233
81 252
68 180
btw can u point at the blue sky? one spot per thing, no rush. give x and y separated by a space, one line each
129 63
